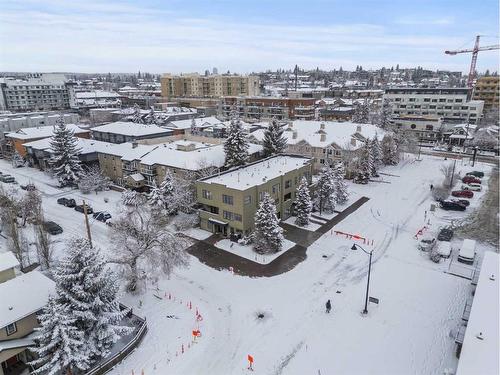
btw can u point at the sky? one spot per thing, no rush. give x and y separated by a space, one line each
243 36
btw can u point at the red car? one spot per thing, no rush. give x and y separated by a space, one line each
471 179
462 193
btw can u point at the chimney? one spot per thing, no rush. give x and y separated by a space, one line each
358 128
294 134
134 144
323 137
353 141
322 126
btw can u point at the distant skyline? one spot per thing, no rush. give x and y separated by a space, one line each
242 36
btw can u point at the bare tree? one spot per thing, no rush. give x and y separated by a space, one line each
143 244
449 175
92 179
29 206
43 242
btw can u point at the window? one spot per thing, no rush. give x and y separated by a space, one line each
227 215
206 194
287 197
322 161
429 127
11 329
261 195
413 126
288 184
276 188
227 199
237 217
247 199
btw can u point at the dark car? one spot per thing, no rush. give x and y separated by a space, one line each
62 201
465 202
462 193
445 234
477 174
67 202
471 179
28 187
79 208
52 228
452 206
102 216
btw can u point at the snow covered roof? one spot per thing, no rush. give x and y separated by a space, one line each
201 122
127 151
480 348
8 260
338 133
131 129
198 156
137 177
86 146
24 295
259 172
42 132
97 94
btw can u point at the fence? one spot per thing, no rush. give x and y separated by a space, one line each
111 362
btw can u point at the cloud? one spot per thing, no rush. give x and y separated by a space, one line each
425 21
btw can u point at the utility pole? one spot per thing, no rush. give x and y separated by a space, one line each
453 173
89 235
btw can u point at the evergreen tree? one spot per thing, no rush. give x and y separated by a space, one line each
65 163
389 150
267 235
137 116
274 142
89 290
341 193
361 113
303 205
17 160
325 191
59 344
376 153
384 116
172 195
151 117
235 146
194 129
364 166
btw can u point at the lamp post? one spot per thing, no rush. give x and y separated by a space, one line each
355 247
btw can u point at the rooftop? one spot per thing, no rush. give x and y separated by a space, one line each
96 94
24 295
259 172
86 146
42 132
131 129
8 260
481 343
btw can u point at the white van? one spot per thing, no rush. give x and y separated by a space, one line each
467 252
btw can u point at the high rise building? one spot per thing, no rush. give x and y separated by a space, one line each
488 90
195 85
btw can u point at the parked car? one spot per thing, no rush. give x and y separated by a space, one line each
102 216
465 202
28 187
445 234
476 174
7 178
67 202
52 228
427 243
472 186
79 208
462 193
471 179
443 249
467 252
452 206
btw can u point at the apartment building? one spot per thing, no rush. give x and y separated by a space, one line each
428 129
209 86
488 90
264 108
22 298
45 91
13 122
230 199
450 104
324 142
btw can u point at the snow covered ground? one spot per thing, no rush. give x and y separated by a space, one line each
408 332
311 226
246 251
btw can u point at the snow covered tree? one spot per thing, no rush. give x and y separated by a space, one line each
236 145
376 153
133 198
341 193
90 290
324 199
384 116
364 165
143 244
361 113
17 160
64 162
151 117
194 129
267 235
274 142
59 344
303 204
137 115
92 179
389 150
173 195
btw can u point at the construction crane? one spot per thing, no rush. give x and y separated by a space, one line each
474 51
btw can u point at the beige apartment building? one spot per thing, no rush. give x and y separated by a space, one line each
488 90
211 86
229 200
22 297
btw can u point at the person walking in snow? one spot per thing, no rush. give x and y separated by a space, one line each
328 306
432 187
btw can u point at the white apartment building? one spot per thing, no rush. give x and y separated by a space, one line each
12 122
450 104
426 128
45 91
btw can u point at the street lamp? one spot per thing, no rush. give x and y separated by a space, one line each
355 247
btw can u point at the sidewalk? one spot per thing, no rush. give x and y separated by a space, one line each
220 259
